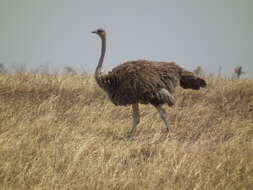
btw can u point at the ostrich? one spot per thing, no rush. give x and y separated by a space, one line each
145 82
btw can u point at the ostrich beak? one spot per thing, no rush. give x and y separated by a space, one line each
94 32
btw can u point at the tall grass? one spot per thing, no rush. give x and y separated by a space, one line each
62 132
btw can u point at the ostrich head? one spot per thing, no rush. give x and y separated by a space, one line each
100 32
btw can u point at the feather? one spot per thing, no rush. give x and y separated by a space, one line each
146 81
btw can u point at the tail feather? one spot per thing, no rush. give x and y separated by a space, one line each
189 80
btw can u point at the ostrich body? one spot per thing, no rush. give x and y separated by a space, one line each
144 82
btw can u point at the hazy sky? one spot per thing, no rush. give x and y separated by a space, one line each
209 33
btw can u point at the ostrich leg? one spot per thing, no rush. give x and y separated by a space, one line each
164 117
136 118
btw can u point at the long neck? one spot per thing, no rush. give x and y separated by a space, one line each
101 59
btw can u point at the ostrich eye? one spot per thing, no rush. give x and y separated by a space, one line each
100 31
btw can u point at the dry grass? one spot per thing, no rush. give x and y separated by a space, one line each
62 132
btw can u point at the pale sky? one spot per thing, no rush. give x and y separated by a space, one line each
207 33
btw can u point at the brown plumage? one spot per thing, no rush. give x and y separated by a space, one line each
144 82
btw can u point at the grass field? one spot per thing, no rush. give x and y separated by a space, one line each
62 132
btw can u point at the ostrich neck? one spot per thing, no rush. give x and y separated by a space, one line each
101 59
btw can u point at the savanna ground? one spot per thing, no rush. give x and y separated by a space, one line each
62 132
